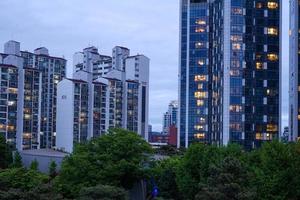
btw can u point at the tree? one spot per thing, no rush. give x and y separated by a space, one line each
34 165
17 160
52 169
103 192
277 171
165 177
228 181
5 153
117 159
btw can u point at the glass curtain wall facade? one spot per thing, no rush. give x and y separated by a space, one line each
238 101
194 72
294 105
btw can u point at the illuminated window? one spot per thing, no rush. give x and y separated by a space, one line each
199 127
259 136
202 120
237 11
199 136
234 72
11 103
200 78
200 30
236 46
200 22
200 102
259 65
236 38
235 108
272 5
201 62
272 57
199 95
199 45
272 128
298 117
272 31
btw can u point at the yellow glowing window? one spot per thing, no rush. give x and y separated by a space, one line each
199 95
200 78
235 108
298 117
199 127
272 31
272 128
199 45
298 88
236 38
199 136
13 90
272 5
259 136
2 126
272 57
200 30
259 65
200 22
236 46
201 62
200 102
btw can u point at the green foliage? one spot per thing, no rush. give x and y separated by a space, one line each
165 175
52 169
20 178
103 192
228 181
5 153
277 170
117 159
17 162
34 165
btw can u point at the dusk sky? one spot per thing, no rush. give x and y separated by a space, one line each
146 27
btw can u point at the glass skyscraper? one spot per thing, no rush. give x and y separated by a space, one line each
229 72
294 104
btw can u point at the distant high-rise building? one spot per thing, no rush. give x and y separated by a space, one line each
229 72
170 117
294 91
113 98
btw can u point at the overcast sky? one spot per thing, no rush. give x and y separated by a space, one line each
148 27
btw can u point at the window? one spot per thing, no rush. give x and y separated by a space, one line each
272 5
200 102
201 62
200 78
236 46
259 65
272 57
259 136
199 45
199 95
272 31
272 128
200 22
200 136
200 30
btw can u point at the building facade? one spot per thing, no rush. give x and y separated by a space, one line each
170 117
294 90
229 72
113 99
37 75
